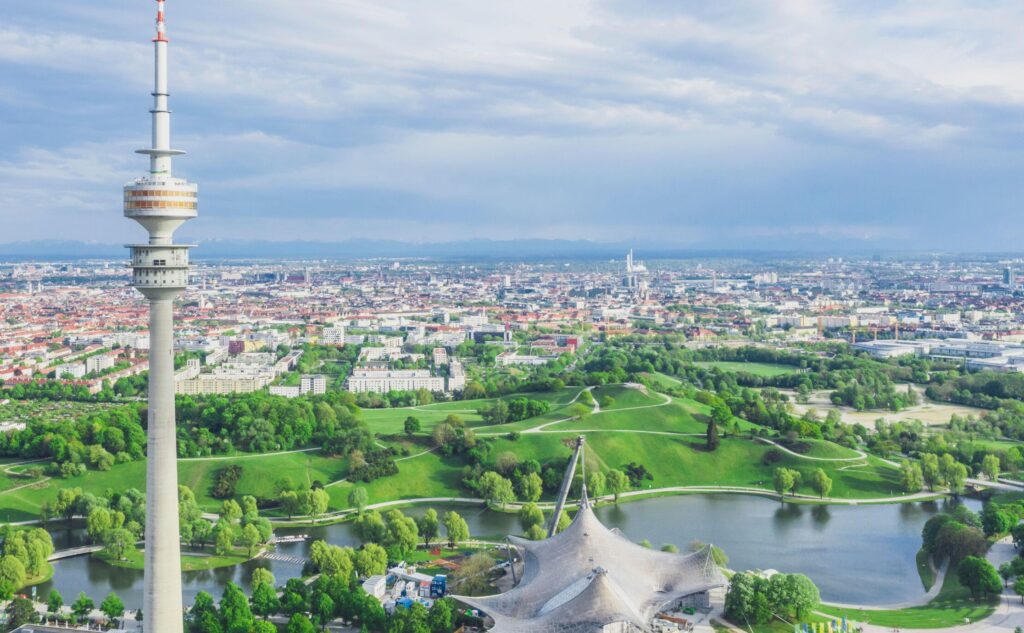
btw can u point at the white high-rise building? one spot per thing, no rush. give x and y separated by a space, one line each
161 203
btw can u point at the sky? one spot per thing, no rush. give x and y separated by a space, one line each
731 124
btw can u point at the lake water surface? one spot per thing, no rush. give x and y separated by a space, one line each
855 554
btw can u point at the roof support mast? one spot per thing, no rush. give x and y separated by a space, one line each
563 492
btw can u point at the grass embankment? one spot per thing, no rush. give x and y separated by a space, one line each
392 421
767 370
924 569
952 607
189 562
260 474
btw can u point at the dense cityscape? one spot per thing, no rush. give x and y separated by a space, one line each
360 384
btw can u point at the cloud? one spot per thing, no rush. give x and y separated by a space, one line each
598 118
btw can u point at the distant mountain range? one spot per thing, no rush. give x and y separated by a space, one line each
347 249
525 249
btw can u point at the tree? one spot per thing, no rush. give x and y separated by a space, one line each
911 477
264 600
97 524
261 576
289 500
224 538
323 608
428 525
711 440
1006 573
496 489
529 515
596 482
618 483
230 510
441 617
412 426
119 543
930 471
455 527
315 502
300 624
234 610
12 571
358 498
820 482
978 575
530 487
1018 587
957 479
370 527
783 481
82 605
370 560
990 467
1018 536
800 594
536 533
563 522
996 519
671 548
472 577
54 601
112 606
331 560
746 600
402 532
251 538
20 611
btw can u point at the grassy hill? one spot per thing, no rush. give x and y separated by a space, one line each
664 434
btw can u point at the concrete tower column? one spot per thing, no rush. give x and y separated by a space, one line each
162 602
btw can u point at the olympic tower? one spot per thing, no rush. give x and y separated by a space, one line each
161 203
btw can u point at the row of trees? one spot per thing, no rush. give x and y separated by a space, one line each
754 599
335 594
399 534
787 480
25 554
98 440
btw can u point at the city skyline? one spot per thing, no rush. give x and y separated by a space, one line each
731 127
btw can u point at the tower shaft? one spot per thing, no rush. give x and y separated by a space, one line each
161 203
162 602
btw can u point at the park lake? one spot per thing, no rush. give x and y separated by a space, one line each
862 554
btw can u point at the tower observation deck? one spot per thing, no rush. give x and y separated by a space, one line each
161 203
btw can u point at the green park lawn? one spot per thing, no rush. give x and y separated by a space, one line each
950 608
557 398
626 397
828 450
663 380
189 562
766 370
672 460
391 421
260 474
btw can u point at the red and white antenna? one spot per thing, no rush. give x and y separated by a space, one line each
160 28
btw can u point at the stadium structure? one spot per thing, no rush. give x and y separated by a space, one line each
588 578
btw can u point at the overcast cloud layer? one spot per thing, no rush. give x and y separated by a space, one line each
711 124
